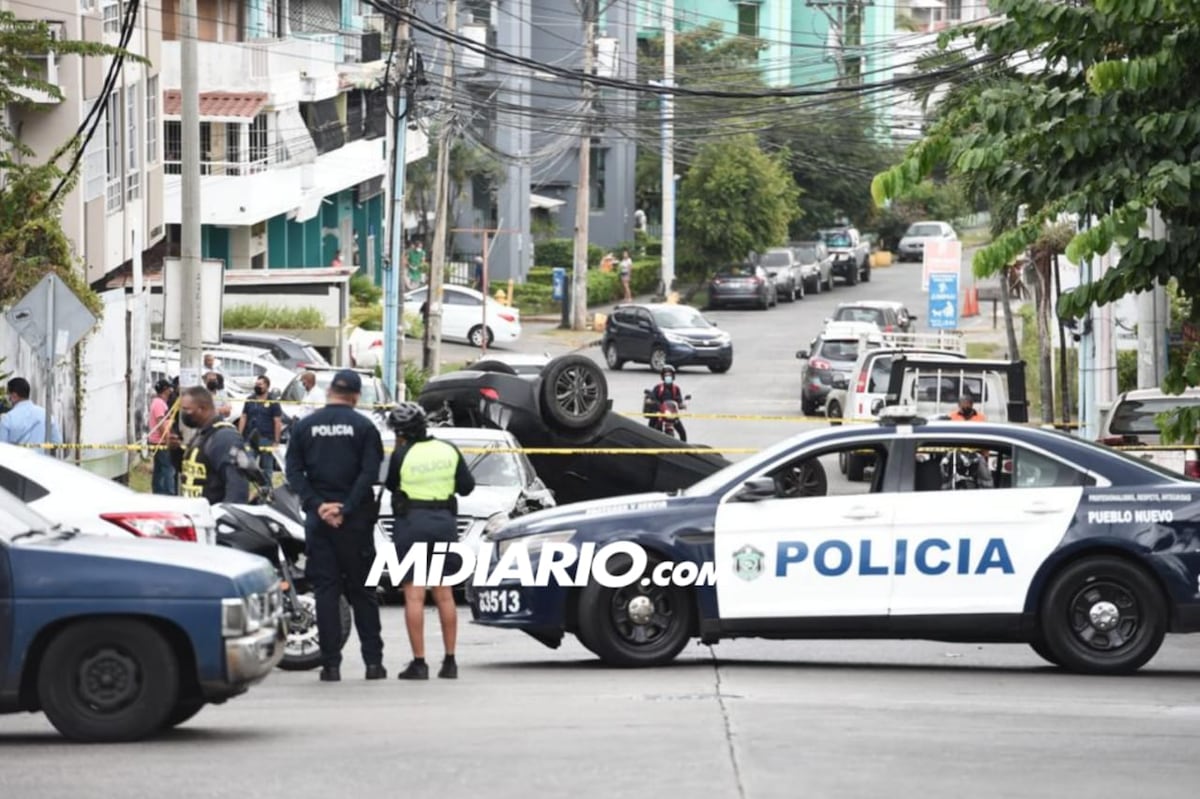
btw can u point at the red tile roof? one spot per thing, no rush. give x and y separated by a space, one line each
218 104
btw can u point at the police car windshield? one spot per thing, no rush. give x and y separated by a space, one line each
745 466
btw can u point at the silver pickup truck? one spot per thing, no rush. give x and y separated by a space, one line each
1130 423
850 253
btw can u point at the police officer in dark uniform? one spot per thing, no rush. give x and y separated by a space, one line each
209 465
333 463
424 475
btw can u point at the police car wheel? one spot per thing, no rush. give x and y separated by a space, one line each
1103 615
108 680
1044 652
637 625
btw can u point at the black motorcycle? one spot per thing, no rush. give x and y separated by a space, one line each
272 527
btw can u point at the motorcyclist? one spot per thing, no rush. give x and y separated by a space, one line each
965 412
668 389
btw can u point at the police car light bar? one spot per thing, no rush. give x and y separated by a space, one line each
898 415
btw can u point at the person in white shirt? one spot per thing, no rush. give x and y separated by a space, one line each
314 396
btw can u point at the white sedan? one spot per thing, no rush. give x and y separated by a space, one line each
463 316
74 497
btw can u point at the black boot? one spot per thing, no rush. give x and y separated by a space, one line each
331 674
449 669
417 670
376 671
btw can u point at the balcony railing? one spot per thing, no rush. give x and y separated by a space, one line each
225 168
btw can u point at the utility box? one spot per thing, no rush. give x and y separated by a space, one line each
558 284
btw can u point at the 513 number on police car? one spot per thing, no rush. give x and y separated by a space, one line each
499 601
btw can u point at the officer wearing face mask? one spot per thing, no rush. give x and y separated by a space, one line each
209 463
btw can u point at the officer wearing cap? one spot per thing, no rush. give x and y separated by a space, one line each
333 463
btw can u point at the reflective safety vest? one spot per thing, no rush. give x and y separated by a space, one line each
193 476
427 473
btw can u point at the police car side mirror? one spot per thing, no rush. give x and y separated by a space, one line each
756 489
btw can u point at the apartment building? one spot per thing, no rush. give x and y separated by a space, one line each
294 133
114 211
532 122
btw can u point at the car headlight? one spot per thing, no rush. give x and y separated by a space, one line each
675 338
533 543
248 614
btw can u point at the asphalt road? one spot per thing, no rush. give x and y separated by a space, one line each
742 719
745 718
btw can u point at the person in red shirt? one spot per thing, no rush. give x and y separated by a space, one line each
164 479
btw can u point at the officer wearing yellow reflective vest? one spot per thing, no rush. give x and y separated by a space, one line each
424 475
209 467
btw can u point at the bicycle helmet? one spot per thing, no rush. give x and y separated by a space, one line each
407 419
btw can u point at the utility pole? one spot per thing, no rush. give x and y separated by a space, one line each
437 265
583 189
668 150
191 295
393 276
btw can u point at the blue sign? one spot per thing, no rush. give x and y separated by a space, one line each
943 300
558 284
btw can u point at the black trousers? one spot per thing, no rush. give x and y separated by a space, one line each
338 563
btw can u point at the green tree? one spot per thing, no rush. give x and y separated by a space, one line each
1102 121
735 200
31 236
469 165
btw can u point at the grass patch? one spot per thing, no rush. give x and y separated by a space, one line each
976 238
265 317
984 350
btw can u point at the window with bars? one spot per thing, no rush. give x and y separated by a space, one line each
172 147
115 189
133 181
152 120
233 148
112 16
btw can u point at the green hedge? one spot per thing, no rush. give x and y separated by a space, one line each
534 295
561 252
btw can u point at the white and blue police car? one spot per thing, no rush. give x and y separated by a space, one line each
961 531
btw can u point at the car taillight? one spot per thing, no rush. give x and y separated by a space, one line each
888 328
507 317
154 524
861 386
490 393
1191 466
820 363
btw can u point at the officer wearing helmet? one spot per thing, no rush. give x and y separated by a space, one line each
664 391
333 462
424 476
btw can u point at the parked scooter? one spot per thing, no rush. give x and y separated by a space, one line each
272 526
669 410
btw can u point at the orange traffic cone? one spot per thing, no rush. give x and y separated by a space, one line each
970 302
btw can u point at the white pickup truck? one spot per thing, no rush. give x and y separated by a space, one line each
1130 423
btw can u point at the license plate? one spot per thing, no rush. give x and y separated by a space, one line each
499 600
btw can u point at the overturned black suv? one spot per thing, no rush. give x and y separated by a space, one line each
566 406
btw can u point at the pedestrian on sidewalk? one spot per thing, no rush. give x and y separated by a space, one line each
626 272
